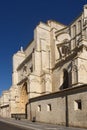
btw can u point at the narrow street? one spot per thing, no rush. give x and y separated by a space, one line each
6 126
12 124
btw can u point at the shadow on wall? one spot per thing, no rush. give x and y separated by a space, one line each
65 80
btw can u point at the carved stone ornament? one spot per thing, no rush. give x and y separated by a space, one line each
61 38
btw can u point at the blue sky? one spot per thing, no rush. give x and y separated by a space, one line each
18 18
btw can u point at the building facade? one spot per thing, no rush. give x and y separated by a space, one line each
49 79
4 104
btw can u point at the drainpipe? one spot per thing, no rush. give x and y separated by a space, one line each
66 111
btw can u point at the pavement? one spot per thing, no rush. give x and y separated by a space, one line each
26 124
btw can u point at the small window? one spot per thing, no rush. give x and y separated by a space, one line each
49 108
39 107
78 105
65 50
65 47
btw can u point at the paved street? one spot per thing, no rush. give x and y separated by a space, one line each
12 124
6 126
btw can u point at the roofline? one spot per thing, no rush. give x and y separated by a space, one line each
28 44
57 22
75 19
63 93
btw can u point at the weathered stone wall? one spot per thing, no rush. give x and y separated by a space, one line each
77 116
67 107
4 104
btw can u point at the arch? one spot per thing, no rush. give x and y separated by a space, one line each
23 99
61 37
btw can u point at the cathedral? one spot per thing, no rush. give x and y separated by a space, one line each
49 79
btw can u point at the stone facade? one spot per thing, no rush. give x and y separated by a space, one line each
4 104
49 80
66 107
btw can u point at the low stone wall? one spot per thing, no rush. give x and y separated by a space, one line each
67 107
18 116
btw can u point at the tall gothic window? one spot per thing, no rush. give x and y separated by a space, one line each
79 29
79 26
74 36
85 30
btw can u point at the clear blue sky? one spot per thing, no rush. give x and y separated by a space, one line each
18 18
